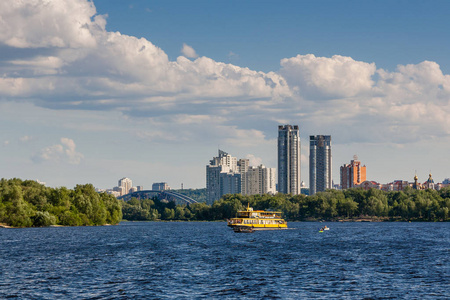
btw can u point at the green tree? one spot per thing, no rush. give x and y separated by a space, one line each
18 212
179 213
347 207
43 218
168 214
70 218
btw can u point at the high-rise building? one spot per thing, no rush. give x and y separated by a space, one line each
352 174
320 177
243 166
126 183
222 177
258 180
229 183
289 159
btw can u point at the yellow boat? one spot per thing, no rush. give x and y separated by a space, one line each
249 220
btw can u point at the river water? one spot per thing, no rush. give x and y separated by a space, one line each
204 260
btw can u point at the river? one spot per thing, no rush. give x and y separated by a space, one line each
204 260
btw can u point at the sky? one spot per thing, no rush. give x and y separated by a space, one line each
93 91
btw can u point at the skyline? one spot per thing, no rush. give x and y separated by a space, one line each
95 91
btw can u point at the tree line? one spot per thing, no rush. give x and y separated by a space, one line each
332 205
27 203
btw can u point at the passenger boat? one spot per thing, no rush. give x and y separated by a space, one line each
249 220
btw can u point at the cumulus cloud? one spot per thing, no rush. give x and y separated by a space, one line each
188 51
322 77
357 102
49 23
59 55
64 152
68 60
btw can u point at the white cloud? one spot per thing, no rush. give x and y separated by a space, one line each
253 160
76 56
355 102
188 51
72 62
64 152
322 77
5 143
66 23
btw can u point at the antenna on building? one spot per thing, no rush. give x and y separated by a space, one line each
355 157
181 185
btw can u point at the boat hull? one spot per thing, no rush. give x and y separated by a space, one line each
241 228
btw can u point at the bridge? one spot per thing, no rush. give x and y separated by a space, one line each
160 195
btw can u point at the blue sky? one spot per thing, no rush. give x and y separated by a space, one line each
261 33
96 91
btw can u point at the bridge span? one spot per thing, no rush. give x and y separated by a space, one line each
160 195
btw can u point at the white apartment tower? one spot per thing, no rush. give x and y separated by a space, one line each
243 166
222 177
258 180
126 183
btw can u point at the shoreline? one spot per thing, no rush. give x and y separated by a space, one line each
3 225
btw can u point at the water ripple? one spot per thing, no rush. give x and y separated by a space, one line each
207 260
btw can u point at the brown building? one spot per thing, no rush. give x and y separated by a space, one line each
352 174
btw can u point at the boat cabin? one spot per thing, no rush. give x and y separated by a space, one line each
261 214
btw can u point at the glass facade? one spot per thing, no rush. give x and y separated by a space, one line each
289 159
320 177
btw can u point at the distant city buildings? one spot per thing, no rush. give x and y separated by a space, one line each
400 185
226 175
222 177
289 179
258 180
160 186
320 164
429 184
126 184
120 190
352 174
445 183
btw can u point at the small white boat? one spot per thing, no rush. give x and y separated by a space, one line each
324 228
